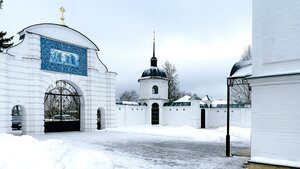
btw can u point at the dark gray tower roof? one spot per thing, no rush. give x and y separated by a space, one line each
154 71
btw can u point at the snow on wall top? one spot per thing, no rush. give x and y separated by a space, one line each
215 102
60 32
184 99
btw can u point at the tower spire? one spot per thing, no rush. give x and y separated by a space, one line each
153 59
153 43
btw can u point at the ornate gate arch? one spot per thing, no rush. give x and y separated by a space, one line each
62 108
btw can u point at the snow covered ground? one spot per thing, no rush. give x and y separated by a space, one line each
149 147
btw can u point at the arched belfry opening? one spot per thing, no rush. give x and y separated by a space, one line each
154 89
61 108
155 114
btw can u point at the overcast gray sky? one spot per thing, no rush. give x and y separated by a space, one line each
203 38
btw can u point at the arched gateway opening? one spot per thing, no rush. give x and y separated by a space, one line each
155 113
62 108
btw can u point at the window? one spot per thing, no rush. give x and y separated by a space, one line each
154 89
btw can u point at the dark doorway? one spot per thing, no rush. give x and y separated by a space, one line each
16 119
202 118
62 108
99 119
155 114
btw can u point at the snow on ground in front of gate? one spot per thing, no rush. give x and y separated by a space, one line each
28 153
186 132
104 149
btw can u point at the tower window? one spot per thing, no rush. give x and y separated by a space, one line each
155 90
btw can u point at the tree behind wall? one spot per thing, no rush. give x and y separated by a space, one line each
173 83
5 42
129 96
241 93
247 54
1 2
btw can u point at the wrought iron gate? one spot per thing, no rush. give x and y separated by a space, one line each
202 118
62 108
99 119
155 114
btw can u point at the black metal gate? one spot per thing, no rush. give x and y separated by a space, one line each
99 119
62 108
202 118
155 114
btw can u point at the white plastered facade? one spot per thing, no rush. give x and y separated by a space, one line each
147 96
24 83
275 83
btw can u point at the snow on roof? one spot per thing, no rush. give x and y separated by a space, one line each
129 103
278 73
60 32
205 98
184 99
202 102
220 101
243 72
241 69
195 97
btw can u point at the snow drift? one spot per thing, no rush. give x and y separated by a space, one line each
27 152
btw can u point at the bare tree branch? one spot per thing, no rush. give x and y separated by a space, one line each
129 96
241 93
1 3
173 82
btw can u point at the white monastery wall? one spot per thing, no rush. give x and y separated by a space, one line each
180 115
127 115
24 83
217 117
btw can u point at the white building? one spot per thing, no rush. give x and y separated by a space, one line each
189 110
53 80
56 81
275 84
154 91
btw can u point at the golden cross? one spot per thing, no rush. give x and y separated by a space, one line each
62 19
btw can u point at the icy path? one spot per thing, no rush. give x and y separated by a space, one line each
148 147
136 147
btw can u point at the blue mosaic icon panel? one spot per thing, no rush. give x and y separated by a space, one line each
61 57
